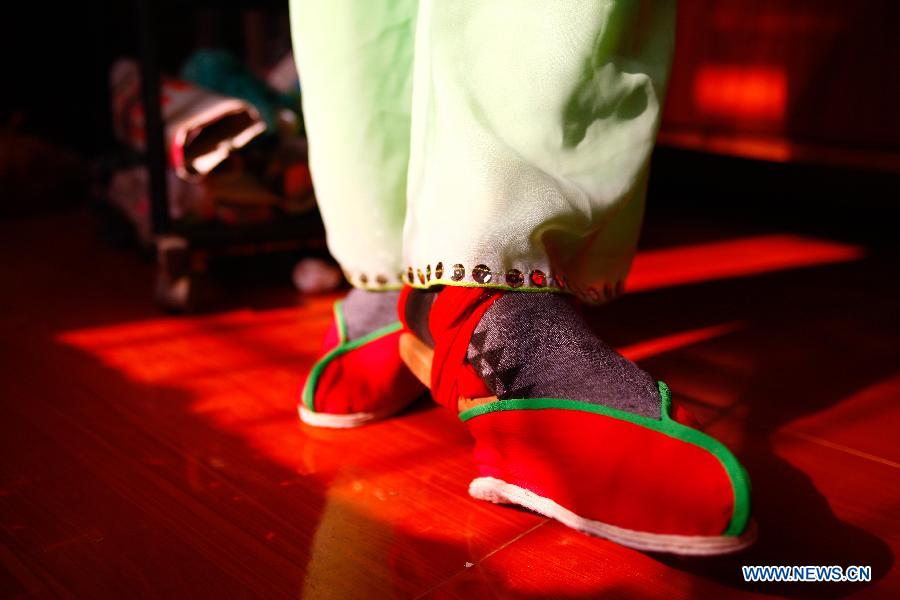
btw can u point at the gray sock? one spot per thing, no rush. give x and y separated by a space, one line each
538 346
366 311
417 311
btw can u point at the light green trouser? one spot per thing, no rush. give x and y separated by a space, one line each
483 142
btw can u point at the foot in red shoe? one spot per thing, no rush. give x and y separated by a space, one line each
568 428
360 377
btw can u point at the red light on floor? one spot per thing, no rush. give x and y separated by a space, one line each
695 263
742 92
675 341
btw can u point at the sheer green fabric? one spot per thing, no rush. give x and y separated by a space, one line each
483 142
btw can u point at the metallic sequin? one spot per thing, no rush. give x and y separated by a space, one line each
481 274
439 270
363 278
538 279
459 272
410 275
428 272
515 278
421 276
381 279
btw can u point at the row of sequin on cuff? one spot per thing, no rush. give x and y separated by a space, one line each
482 275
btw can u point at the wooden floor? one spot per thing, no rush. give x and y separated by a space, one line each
153 455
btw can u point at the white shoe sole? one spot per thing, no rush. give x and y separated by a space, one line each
499 492
332 421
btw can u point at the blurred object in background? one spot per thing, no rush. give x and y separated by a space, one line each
317 276
228 177
128 191
241 198
207 177
788 80
201 128
221 72
288 172
283 75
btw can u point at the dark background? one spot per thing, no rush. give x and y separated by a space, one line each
781 110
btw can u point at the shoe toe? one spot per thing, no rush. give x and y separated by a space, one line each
361 381
641 474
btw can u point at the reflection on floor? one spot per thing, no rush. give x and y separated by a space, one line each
157 455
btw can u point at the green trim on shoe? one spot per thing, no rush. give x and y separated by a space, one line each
340 320
343 346
737 475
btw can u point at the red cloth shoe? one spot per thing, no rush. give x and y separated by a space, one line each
654 484
357 381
